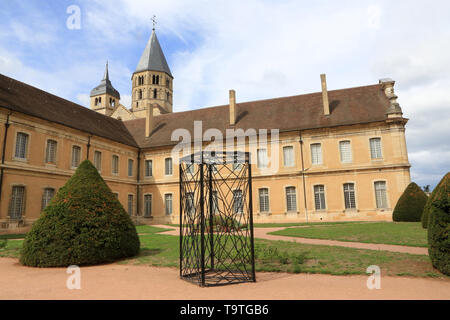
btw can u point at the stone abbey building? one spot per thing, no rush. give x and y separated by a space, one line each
342 153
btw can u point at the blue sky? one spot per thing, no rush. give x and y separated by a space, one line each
262 49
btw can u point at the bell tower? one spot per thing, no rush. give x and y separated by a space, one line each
104 98
152 82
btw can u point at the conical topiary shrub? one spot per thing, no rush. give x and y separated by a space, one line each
410 205
84 224
427 208
439 227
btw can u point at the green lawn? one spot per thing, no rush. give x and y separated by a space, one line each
303 224
399 233
279 256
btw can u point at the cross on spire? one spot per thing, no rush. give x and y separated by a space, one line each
154 21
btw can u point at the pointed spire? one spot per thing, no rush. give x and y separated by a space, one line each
153 58
106 76
105 86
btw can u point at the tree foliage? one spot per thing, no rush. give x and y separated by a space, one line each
84 224
410 205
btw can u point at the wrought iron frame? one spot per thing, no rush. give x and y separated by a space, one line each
216 218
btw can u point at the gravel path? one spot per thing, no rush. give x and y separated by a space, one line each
263 233
115 281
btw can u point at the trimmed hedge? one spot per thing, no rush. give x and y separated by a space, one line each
410 205
84 224
427 208
439 227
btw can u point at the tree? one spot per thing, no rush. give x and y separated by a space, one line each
439 227
410 205
427 207
84 224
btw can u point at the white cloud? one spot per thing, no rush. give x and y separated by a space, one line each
265 49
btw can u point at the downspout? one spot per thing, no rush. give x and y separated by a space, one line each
138 177
303 176
88 147
3 153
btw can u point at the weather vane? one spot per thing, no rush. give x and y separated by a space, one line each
154 21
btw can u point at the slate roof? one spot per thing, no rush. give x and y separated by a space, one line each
347 107
153 58
20 97
105 86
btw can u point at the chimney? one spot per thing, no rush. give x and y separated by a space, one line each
148 120
326 105
233 111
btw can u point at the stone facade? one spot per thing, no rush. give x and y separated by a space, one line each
340 167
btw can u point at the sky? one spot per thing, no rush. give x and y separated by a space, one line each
262 49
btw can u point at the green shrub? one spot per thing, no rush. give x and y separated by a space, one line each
3 243
427 207
439 227
84 224
410 205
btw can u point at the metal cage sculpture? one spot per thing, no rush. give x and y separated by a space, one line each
216 218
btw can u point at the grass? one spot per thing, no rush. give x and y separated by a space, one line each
13 236
397 233
303 224
278 256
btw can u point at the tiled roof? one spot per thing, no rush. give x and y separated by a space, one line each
20 97
347 107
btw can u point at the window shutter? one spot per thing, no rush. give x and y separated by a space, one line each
346 151
316 153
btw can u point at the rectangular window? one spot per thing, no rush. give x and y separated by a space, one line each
380 194
345 150
148 205
168 166
47 197
115 164
21 145
215 202
190 208
50 152
130 204
238 204
375 148
168 203
148 168
190 167
319 197
130 167
316 153
262 158
17 204
349 196
76 156
291 199
98 160
264 200
288 156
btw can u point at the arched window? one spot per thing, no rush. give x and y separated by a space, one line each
157 79
153 79
155 94
168 95
96 101
140 95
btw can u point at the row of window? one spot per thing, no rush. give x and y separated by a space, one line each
17 203
154 94
98 102
140 80
320 200
345 151
51 151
